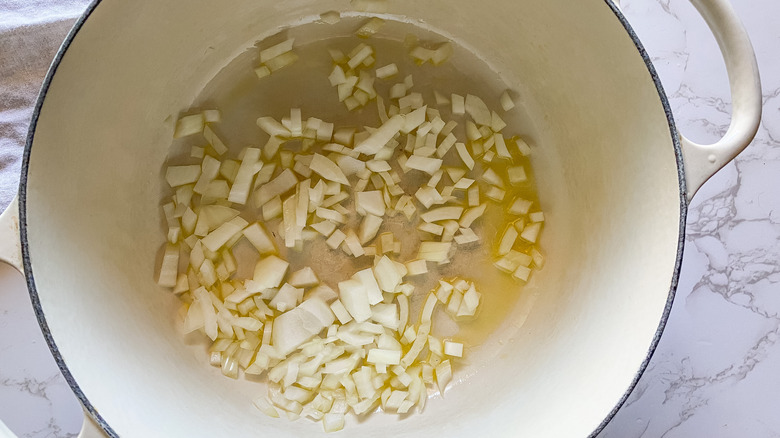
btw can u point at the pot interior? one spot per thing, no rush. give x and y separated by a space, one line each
573 340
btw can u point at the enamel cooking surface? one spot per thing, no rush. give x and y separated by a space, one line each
607 174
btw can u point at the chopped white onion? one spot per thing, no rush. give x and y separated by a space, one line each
387 71
371 202
434 251
272 127
276 50
522 146
281 61
387 357
387 275
424 164
379 138
189 125
168 273
269 272
536 216
304 277
517 175
217 238
354 296
442 213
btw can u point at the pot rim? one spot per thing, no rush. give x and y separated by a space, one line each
93 411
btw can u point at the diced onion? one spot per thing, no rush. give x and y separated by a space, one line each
324 352
380 137
427 165
276 50
189 125
442 213
330 17
506 101
434 251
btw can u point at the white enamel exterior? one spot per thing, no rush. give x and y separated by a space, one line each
608 178
702 161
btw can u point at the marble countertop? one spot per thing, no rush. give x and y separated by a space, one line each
716 372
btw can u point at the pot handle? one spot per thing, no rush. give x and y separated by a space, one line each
90 429
702 161
10 245
11 253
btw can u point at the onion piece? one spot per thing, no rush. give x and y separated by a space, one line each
272 127
214 141
217 238
510 262
360 54
387 275
330 17
501 148
276 50
491 177
464 155
427 165
386 357
336 239
496 122
411 100
434 229
250 165
517 175
537 257
326 227
471 214
477 109
522 146
413 120
495 193
281 61
507 240
304 277
443 375
416 267
520 206
387 71
280 185
367 278
189 125
269 272
434 251
352 242
441 53
290 330
531 232
169 267
354 296
442 213
379 138
262 72
417 345
522 273
466 236
371 202
506 101
338 309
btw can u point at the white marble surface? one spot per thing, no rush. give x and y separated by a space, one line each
716 372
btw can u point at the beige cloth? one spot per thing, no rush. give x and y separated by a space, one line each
31 31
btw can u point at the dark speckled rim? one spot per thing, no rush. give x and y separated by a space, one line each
95 414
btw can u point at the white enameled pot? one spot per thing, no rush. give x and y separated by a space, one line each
614 176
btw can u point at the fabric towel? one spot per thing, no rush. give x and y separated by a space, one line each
31 31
